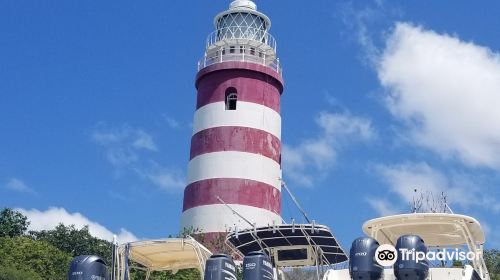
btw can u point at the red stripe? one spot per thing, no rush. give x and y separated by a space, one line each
232 191
236 138
252 86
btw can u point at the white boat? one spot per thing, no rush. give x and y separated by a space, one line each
315 247
440 231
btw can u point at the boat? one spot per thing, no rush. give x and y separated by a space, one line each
440 232
170 254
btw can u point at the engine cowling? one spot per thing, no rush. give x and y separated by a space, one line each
257 266
88 268
362 263
220 267
409 266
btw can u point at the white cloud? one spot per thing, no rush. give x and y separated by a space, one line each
361 19
124 148
312 157
123 144
166 178
18 186
492 235
460 189
171 122
446 91
144 141
382 206
49 219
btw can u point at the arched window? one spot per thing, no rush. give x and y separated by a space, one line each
231 98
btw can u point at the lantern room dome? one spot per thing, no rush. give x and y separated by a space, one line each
242 4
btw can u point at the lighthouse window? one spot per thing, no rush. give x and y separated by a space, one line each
242 49
231 49
252 51
231 99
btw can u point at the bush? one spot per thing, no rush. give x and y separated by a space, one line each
9 273
22 254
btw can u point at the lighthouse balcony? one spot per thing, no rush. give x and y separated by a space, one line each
238 44
225 55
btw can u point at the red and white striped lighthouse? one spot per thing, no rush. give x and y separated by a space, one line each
236 143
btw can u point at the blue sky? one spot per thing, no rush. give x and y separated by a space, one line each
381 97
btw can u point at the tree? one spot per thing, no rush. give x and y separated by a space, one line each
38 259
75 241
185 274
492 259
12 223
9 273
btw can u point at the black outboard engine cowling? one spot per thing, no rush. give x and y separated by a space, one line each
257 266
88 268
409 266
220 267
362 264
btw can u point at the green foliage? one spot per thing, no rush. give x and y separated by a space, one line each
24 254
12 223
75 241
492 259
9 273
457 263
185 274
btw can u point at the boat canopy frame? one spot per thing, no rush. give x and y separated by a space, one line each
282 242
171 254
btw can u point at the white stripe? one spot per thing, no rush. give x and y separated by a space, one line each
219 218
230 164
247 114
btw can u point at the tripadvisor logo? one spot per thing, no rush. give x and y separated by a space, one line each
387 255
441 255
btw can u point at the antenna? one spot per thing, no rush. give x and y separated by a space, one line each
295 201
448 206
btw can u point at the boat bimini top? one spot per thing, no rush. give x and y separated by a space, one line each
290 245
438 230
170 254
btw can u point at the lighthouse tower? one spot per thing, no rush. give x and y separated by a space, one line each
235 154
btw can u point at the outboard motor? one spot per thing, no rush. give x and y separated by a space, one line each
88 268
414 265
257 266
362 263
220 267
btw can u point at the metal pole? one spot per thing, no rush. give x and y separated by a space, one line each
113 258
234 211
295 201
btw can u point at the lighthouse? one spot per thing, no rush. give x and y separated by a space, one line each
234 170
